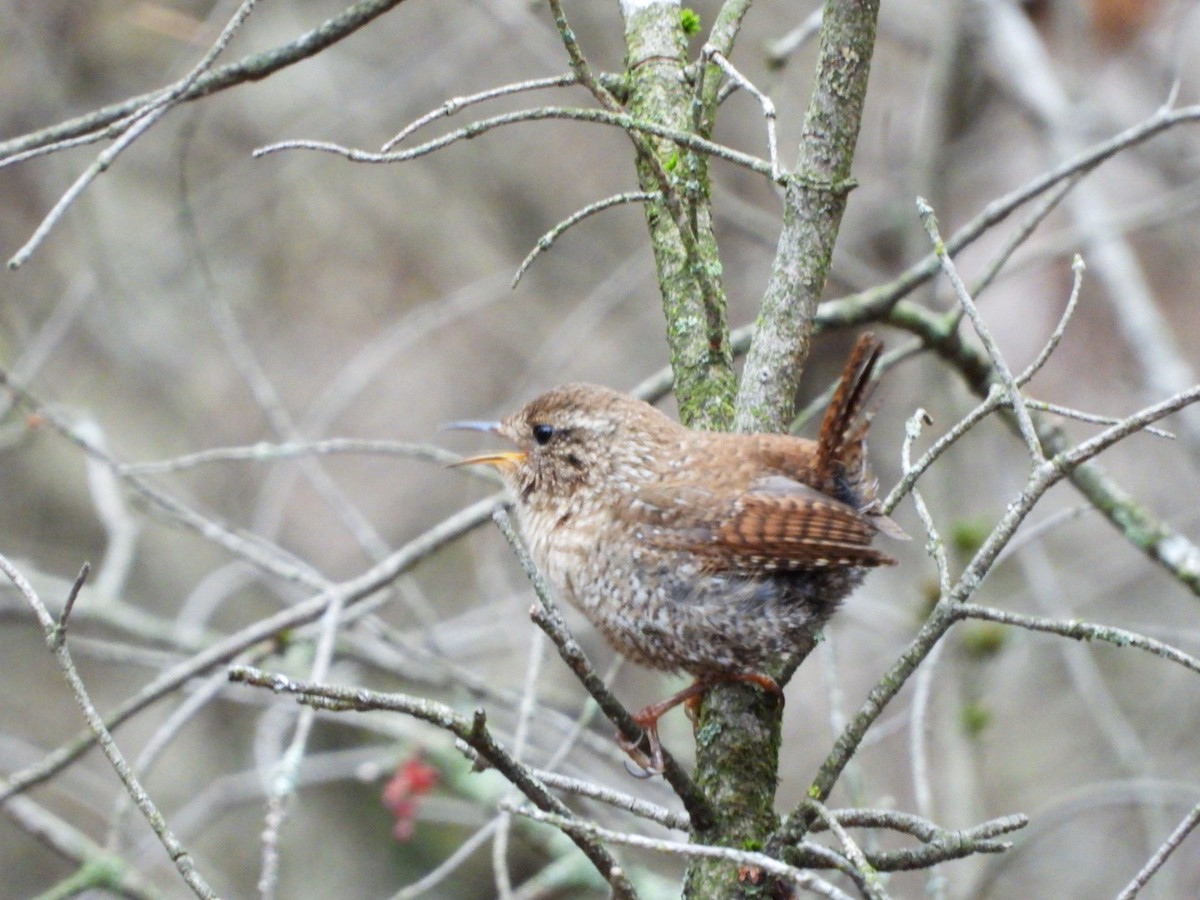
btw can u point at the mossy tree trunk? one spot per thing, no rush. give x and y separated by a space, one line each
738 728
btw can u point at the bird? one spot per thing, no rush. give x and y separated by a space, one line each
710 553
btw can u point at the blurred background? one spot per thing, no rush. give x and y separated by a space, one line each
196 297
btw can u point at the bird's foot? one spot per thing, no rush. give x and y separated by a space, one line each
650 760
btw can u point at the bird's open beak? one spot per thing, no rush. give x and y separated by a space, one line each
499 460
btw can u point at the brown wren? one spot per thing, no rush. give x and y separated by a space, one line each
711 553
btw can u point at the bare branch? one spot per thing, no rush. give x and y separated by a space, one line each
473 731
1081 631
250 68
141 122
868 305
768 108
546 241
55 639
1009 383
354 591
748 858
457 104
1161 855
627 123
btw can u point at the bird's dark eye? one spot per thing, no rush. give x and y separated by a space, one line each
543 433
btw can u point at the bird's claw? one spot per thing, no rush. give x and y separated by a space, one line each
651 763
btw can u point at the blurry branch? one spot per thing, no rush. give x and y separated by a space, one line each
520 746
39 347
99 869
113 614
261 387
267 452
779 50
285 775
1017 58
473 731
133 127
353 591
55 632
359 372
263 554
871 304
450 864
94 126
121 528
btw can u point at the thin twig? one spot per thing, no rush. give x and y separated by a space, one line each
56 640
1164 851
1002 370
143 120
546 241
711 53
872 889
630 125
254 67
936 548
457 104
61 627
939 844
991 403
1081 631
355 591
1056 336
1024 230
677 821
1091 418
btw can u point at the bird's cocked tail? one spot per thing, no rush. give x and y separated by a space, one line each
840 443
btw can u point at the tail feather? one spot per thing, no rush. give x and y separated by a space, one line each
839 444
